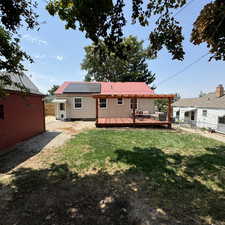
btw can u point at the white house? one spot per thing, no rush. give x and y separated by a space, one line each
207 111
74 100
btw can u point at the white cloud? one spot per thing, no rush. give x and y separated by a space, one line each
60 58
34 40
40 56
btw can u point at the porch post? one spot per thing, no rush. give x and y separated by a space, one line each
96 110
134 117
169 112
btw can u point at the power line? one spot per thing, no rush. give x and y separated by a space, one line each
184 69
181 9
196 61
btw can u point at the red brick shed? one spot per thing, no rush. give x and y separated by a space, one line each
21 116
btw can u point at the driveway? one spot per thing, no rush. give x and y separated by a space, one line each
32 152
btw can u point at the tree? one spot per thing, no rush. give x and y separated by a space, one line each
162 104
132 67
52 90
13 15
201 94
105 20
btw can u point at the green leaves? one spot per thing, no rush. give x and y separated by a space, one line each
209 28
13 15
103 65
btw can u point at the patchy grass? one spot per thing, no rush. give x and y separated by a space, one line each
114 177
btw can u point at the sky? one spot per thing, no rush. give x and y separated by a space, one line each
58 54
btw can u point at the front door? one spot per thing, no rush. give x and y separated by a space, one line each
62 111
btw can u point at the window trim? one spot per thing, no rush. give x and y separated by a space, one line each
78 108
106 103
3 112
121 103
204 110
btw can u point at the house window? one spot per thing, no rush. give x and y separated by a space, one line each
1 112
133 103
192 115
61 106
204 112
78 103
119 101
186 114
178 114
222 120
103 102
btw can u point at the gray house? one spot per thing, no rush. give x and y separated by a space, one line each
207 111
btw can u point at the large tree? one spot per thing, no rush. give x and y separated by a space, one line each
103 65
13 15
105 20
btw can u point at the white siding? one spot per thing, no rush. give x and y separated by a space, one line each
209 121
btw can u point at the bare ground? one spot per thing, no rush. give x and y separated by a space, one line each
33 153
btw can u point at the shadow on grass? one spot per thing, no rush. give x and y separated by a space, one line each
25 150
152 192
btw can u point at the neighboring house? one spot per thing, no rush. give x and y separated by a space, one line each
21 114
74 100
207 111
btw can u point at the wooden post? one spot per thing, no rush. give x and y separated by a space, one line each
134 116
96 111
169 112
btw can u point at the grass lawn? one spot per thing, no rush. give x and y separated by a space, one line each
121 177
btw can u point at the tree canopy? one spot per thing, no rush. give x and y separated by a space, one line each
13 15
132 67
52 90
105 20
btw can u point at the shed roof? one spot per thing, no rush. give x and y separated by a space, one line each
23 81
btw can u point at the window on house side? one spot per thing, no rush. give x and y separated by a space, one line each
186 114
192 115
204 112
78 103
222 120
120 101
103 102
1 112
62 106
133 103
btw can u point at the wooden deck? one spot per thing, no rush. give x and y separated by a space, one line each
128 122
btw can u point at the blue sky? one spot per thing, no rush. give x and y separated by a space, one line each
58 54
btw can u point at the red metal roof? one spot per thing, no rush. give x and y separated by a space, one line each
116 87
125 88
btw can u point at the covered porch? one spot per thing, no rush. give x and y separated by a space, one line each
136 119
